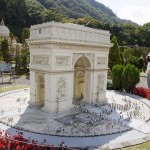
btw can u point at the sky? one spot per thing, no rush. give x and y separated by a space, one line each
135 10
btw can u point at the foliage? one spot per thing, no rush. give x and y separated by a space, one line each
21 14
116 76
5 50
143 35
130 77
114 54
25 35
127 56
134 55
141 91
81 8
23 63
138 63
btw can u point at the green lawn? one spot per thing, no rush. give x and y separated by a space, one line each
12 88
144 146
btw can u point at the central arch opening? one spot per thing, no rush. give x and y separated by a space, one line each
81 68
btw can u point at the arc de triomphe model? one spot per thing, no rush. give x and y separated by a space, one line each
67 61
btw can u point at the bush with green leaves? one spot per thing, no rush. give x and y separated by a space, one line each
130 78
138 63
116 76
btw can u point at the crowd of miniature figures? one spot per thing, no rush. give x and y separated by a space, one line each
111 115
92 119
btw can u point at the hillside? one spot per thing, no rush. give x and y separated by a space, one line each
18 14
80 8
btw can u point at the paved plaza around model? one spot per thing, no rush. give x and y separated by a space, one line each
124 118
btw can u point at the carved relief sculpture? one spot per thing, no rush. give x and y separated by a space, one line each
61 88
100 83
101 60
62 60
42 60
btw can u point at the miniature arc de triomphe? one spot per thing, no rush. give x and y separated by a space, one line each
67 61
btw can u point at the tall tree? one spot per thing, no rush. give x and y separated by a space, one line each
5 50
114 54
25 35
127 56
11 36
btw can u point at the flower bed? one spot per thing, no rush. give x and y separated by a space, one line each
18 142
143 92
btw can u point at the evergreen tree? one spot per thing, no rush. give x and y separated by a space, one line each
130 77
25 35
127 56
114 54
5 50
116 76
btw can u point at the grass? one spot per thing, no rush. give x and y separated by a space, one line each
144 146
12 88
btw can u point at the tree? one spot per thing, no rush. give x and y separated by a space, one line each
138 63
127 56
5 50
114 54
11 36
130 77
25 35
116 76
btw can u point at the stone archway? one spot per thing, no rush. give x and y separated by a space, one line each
81 74
72 59
40 91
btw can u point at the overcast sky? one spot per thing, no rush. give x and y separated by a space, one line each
135 10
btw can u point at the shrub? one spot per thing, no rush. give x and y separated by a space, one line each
130 77
116 77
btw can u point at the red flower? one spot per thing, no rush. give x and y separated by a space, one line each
143 92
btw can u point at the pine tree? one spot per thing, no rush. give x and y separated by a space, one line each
130 77
116 76
25 35
114 54
5 50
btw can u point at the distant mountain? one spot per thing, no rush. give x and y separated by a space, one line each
18 14
79 9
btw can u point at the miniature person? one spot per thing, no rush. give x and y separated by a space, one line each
148 70
82 96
